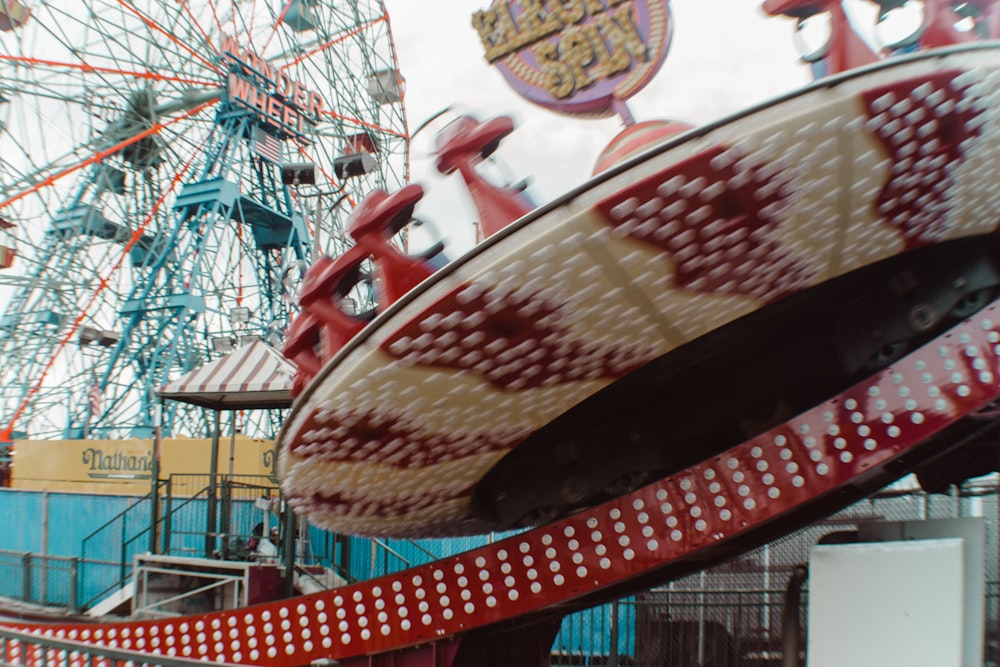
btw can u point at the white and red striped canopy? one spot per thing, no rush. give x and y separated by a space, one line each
254 376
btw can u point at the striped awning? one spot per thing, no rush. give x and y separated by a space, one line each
254 376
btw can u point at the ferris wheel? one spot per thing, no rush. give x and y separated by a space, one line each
167 170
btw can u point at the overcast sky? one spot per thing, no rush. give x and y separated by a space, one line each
726 55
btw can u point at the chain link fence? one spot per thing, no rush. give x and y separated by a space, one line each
731 615
46 580
726 616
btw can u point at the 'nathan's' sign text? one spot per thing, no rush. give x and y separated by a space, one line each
259 85
116 464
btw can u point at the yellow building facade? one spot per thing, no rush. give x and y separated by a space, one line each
124 467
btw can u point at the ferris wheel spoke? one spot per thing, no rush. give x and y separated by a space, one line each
285 6
128 6
360 123
101 154
87 68
242 22
336 40
104 44
196 22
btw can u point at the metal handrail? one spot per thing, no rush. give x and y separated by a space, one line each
389 550
405 561
124 568
123 563
222 580
172 507
26 560
65 653
121 515
35 555
424 550
132 506
333 567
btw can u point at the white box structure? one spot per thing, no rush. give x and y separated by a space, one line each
873 604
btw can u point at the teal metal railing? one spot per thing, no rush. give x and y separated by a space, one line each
53 581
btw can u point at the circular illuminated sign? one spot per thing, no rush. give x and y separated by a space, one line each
576 56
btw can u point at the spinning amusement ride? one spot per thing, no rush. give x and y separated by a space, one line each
728 332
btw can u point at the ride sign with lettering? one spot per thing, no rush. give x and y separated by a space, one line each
260 86
576 56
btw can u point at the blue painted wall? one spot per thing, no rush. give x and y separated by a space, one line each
71 518
57 524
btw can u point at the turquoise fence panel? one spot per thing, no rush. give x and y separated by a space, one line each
69 517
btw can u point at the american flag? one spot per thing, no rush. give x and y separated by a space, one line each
95 396
266 145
